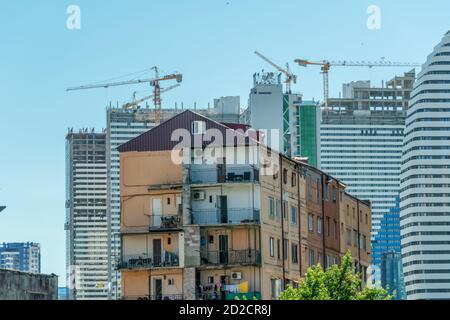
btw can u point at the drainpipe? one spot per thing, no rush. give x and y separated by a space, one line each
323 221
359 239
282 220
299 219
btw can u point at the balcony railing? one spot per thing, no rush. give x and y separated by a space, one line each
147 262
228 216
154 297
231 257
206 174
165 222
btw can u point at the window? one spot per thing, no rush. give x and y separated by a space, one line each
275 288
364 243
169 241
285 174
278 208
335 260
310 223
319 256
171 282
168 201
293 179
325 192
278 249
319 226
327 262
210 279
367 219
334 194
335 229
271 208
271 247
327 227
285 206
355 238
294 253
211 239
210 199
198 127
311 257
348 237
294 215
285 249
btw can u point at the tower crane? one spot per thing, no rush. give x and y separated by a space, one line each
154 82
135 103
290 77
326 66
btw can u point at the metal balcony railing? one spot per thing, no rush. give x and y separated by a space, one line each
148 262
231 257
228 216
154 297
165 222
206 174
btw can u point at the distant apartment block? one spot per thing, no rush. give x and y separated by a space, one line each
25 257
17 285
361 139
86 219
226 220
124 125
297 121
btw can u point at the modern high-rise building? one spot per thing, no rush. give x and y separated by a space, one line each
361 141
297 122
124 125
25 257
86 220
386 253
227 220
392 274
425 181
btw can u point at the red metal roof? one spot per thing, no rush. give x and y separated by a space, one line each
165 137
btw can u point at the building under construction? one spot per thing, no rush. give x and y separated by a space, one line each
362 139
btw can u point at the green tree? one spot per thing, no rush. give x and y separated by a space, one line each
336 283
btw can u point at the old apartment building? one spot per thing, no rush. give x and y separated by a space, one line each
216 220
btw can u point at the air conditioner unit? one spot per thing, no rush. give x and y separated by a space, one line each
198 195
236 275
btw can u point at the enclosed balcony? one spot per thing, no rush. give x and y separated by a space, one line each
231 257
225 216
146 262
212 174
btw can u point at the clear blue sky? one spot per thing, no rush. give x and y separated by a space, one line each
210 41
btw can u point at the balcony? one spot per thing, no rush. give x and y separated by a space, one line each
228 216
157 297
231 257
168 260
211 174
165 222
